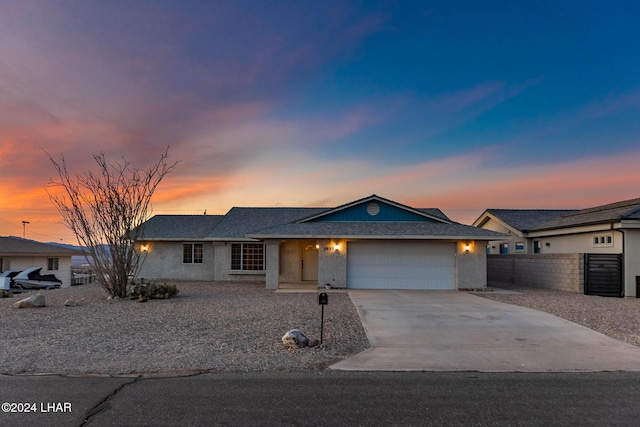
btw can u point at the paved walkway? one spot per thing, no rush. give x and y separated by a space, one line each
457 331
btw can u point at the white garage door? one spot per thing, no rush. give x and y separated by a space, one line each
400 265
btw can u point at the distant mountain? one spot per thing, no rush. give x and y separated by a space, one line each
78 261
79 248
67 246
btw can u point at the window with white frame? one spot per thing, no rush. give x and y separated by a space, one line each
192 253
247 256
519 246
53 264
603 240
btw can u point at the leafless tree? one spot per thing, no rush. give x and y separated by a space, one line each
106 211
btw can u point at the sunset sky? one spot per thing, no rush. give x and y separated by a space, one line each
460 105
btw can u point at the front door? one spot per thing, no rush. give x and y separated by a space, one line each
309 263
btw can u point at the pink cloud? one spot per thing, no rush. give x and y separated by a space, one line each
545 130
337 125
466 98
563 185
612 104
462 186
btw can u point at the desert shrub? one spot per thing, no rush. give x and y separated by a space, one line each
5 293
152 290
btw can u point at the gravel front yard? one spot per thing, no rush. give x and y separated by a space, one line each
208 327
224 327
617 318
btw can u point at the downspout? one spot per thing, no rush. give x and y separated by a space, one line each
623 272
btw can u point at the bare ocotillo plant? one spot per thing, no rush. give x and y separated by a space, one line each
106 211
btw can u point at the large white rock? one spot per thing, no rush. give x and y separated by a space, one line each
295 339
73 303
36 300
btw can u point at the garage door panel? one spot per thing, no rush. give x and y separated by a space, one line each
401 265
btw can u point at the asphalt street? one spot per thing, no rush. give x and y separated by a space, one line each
321 398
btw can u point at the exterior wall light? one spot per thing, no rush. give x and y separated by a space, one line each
317 246
144 248
336 247
467 247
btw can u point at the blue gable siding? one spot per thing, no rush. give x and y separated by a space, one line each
362 213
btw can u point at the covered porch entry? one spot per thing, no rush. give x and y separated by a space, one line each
298 263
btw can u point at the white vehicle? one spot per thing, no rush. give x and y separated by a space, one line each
32 279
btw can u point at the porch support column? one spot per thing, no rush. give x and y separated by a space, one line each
471 265
272 248
332 263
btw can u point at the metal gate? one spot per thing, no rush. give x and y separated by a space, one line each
603 275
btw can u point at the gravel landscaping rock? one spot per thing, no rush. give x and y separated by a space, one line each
229 327
617 318
207 327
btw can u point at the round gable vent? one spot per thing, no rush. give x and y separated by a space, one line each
373 209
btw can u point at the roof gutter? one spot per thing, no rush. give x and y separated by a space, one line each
577 229
373 237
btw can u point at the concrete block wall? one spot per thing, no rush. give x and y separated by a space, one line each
563 272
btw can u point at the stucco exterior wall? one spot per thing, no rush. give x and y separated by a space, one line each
471 267
163 261
332 263
221 260
564 272
493 247
580 243
631 261
494 225
22 263
272 263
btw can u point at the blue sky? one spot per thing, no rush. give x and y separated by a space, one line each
458 105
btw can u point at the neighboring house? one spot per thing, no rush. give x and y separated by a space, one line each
369 243
516 223
20 254
608 234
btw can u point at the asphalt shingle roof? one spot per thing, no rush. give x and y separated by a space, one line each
528 219
384 229
435 212
18 246
183 227
240 221
628 209
249 222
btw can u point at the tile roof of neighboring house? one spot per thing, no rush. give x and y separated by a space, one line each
613 212
18 246
383 229
180 227
528 219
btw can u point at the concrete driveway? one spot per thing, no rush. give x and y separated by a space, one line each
457 331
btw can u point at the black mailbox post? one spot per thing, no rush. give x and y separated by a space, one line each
323 299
